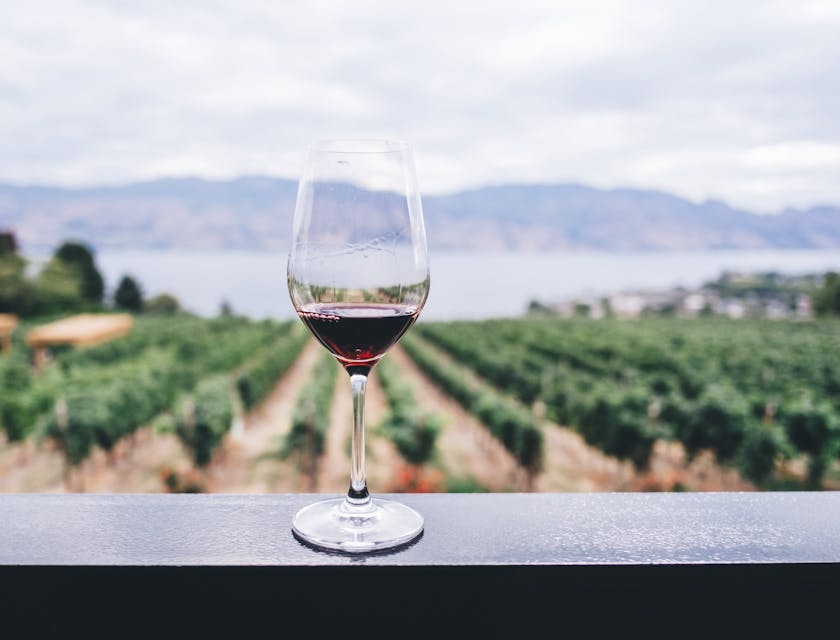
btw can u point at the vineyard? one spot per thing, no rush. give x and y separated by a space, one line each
538 404
755 394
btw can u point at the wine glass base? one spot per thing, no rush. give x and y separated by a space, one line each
341 526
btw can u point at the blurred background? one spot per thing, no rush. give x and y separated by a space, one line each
633 212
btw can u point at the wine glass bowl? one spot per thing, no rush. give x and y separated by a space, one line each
358 276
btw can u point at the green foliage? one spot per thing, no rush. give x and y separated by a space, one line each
515 426
221 344
69 281
164 304
413 431
813 428
810 425
93 397
165 423
761 448
414 437
101 412
16 292
257 379
464 485
8 243
73 424
761 286
15 374
712 384
205 417
133 402
718 421
23 397
827 297
58 287
128 295
616 421
311 417
81 256
17 416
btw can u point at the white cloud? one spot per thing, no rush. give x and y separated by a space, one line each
728 100
794 155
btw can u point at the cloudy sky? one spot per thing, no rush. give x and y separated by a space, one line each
731 100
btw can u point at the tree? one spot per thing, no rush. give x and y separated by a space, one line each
535 308
8 243
163 303
68 281
15 291
58 287
92 284
128 295
827 297
582 309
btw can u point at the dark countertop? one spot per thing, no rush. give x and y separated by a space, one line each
465 529
589 565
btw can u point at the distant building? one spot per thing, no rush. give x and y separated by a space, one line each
694 303
803 306
627 305
776 309
732 295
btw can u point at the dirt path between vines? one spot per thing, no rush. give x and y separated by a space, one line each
334 465
467 450
381 457
26 468
467 447
383 460
132 466
570 464
246 463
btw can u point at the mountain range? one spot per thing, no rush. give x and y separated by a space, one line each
255 213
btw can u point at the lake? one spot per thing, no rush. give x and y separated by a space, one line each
464 285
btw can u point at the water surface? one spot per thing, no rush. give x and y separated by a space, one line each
464 285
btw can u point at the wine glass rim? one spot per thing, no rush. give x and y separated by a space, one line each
359 145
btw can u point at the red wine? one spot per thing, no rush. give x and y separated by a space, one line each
358 334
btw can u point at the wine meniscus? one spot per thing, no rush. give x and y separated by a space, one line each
358 334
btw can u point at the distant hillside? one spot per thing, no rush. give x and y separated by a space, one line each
575 216
256 213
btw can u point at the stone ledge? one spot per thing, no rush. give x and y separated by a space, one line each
491 562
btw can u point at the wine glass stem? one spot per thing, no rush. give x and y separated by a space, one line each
358 494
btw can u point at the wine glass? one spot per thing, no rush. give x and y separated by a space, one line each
358 277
